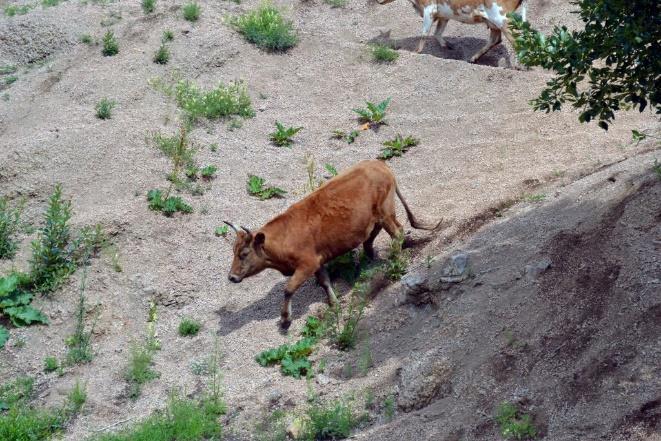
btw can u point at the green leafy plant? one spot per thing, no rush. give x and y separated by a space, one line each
221 231
330 168
534 197
329 421
513 424
256 187
382 53
397 146
168 35
348 137
104 108
208 172
86 38
8 69
168 205
139 370
10 222
374 114
51 364
162 55
592 64
292 358
11 80
266 28
49 3
398 259
189 327
282 135
148 6
13 10
76 398
221 102
110 44
192 11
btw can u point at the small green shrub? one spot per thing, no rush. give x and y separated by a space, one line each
182 419
76 398
257 188
329 421
110 45
86 38
13 10
168 205
11 80
162 55
192 11
221 102
389 407
10 222
148 6
168 35
189 327
104 108
292 358
139 370
51 364
49 3
397 146
513 424
208 172
336 3
282 135
374 114
534 197
398 259
221 231
266 28
382 53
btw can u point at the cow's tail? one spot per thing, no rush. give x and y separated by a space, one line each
415 223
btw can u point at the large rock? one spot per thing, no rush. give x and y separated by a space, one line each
421 286
422 380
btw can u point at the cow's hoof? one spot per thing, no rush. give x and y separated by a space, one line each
284 325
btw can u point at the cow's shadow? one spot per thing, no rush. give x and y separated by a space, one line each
460 48
268 307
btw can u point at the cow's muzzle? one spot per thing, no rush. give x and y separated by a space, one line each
234 278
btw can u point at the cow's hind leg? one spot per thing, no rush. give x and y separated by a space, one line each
494 39
300 275
441 23
368 245
324 281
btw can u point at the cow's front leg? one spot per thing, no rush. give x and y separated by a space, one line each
300 275
324 281
427 21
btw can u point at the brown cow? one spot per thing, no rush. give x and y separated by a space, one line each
346 211
492 12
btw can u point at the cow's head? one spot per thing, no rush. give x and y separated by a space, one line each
249 258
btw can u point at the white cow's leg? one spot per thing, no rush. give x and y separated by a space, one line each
494 39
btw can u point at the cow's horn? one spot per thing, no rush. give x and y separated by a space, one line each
232 226
246 230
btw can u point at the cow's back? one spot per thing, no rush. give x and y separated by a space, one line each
339 215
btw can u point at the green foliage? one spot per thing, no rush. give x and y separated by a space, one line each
397 146
182 419
398 259
336 3
292 358
4 336
257 188
593 65
148 6
382 53
282 135
76 398
330 168
344 266
329 421
167 205
52 261
389 407
110 45
513 424
534 197
8 69
374 114
11 80
221 102
51 364
189 327
208 172
10 222
16 393
49 3
104 108
139 370
266 28
192 11
348 137
272 427
162 55
168 35
221 231
313 328
79 344
13 10
86 38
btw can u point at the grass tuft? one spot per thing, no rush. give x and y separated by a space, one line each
110 45
266 28
104 108
192 11
139 370
329 421
10 222
168 35
162 55
382 53
397 146
513 424
189 327
148 6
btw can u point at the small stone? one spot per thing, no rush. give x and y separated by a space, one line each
534 270
274 396
149 290
456 269
323 380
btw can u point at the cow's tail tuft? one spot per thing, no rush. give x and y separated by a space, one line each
415 223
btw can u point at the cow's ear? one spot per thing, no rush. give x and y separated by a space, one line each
258 243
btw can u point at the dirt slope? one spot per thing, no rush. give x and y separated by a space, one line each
480 145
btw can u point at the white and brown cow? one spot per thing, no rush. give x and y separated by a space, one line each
491 12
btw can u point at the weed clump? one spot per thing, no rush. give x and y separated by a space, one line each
162 55
282 135
168 35
192 11
148 6
10 222
221 102
51 364
374 114
139 370
257 187
110 45
513 424
168 205
382 53
398 259
13 10
104 108
266 28
397 146
86 39
329 421
189 327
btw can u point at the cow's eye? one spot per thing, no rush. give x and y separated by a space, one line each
243 255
